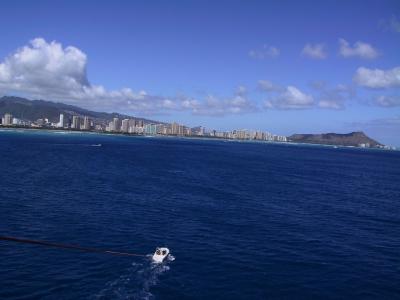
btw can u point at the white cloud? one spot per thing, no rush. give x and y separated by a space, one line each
359 49
46 70
239 103
316 51
290 98
388 101
329 104
333 97
268 86
376 78
218 107
241 90
265 52
44 64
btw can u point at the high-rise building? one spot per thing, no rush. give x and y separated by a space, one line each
131 126
125 125
75 122
187 131
166 130
174 128
241 134
7 119
160 128
61 122
86 123
150 129
181 130
110 127
139 123
116 125
132 122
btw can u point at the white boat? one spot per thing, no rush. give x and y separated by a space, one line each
160 254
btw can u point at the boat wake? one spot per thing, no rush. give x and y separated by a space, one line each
136 282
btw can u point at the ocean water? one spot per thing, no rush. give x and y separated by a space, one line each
243 220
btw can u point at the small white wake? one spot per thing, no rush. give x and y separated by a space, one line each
136 282
170 257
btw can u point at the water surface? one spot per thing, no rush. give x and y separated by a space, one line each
243 220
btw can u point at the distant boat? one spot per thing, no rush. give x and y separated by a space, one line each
96 145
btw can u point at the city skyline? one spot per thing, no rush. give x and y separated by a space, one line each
225 65
133 126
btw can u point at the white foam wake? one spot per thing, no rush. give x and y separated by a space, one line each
136 282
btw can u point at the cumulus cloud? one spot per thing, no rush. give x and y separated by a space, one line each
359 49
377 78
238 103
316 51
388 100
265 52
217 106
43 64
333 97
290 98
329 104
241 90
268 86
46 70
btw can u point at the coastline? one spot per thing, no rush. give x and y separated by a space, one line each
159 136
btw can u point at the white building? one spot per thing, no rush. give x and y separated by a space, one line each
61 122
76 122
86 123
131 125
7 119
125 125
116 125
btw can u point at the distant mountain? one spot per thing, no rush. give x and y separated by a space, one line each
348 139
32 110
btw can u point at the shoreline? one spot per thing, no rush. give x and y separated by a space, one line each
205 138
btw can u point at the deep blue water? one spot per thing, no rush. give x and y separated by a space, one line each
243 220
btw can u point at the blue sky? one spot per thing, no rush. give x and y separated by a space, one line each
281 66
